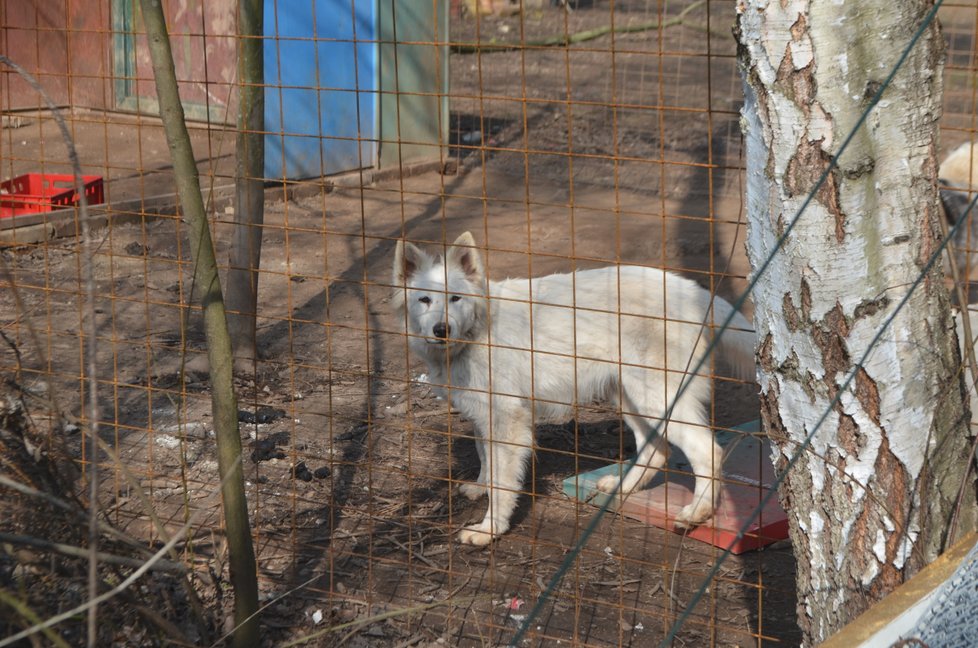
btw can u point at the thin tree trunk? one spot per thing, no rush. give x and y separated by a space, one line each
223 403
870 499
245 257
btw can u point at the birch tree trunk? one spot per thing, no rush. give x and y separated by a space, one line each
870 499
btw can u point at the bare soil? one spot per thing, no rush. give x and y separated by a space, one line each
373 532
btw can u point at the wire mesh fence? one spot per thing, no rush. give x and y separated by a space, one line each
564 136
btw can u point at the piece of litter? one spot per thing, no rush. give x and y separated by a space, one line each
746 480
192 430
516 603
317 617
519 618
167 442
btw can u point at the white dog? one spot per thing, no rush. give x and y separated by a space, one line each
514 353
959 180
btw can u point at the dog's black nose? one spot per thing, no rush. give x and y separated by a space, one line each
441 330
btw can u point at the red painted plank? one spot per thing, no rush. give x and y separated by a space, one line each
747 477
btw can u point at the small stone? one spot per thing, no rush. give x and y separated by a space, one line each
301 472
261 416
265 450
136 249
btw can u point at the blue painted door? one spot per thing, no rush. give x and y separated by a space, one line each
321 87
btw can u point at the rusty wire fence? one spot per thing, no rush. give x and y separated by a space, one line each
559 143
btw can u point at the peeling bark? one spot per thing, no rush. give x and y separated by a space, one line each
870 499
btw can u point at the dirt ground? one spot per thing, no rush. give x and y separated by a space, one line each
372 532
351 479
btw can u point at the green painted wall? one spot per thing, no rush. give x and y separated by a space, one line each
413 81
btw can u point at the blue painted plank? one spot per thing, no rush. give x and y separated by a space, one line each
321 87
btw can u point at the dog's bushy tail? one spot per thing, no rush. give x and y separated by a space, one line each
737 342
960 168
959 176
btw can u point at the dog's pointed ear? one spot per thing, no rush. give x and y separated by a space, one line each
409 259
465 255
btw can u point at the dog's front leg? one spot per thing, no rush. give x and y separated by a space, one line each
506 454
477 489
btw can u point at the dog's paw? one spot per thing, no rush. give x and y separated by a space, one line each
609 484
481 534
693 515
472 490
475 535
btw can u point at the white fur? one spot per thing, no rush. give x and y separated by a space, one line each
959 179
960 168
525 351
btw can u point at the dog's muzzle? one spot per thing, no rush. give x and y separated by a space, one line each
440 331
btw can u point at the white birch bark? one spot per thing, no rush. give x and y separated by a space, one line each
869 500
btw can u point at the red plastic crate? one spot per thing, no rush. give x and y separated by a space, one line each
33 193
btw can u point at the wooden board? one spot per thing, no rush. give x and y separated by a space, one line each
747 478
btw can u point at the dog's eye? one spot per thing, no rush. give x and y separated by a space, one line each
455 298
424 300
